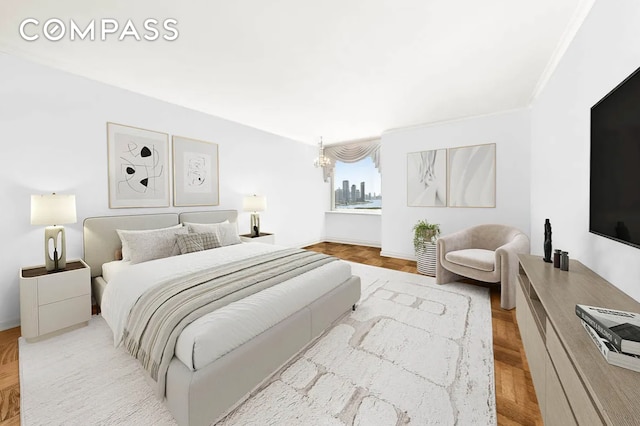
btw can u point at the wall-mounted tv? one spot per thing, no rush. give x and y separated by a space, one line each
614 205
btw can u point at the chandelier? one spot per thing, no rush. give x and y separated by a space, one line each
321 161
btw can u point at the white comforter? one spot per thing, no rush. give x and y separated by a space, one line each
223 330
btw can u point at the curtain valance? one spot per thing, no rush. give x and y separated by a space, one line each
350 153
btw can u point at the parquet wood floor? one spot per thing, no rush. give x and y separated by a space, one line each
515 397
9 377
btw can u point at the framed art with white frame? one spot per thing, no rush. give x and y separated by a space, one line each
138 167
195 172
427 178
472 176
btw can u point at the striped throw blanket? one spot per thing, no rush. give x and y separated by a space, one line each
162 312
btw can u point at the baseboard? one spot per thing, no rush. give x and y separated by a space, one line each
397 255
352 242
6 325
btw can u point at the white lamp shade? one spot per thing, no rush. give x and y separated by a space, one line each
53 209
254 203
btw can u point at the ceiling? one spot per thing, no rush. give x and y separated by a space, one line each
341 69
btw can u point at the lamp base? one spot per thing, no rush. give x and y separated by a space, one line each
55 259
255 225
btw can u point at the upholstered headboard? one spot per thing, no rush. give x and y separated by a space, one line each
101 239
212 216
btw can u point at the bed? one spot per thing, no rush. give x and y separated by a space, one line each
215 372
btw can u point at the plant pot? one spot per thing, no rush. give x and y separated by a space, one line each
426 259
426 236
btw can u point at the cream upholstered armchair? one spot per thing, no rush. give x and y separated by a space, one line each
486 253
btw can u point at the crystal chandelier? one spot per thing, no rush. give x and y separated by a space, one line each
321 161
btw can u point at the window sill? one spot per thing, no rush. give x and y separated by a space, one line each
356 211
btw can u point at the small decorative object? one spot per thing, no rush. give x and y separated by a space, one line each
54 210
254 204
138 167
424 236
195 172
547 241
564 261
556 258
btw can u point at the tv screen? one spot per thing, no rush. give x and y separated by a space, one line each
614 205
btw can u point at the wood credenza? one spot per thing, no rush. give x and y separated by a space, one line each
574 383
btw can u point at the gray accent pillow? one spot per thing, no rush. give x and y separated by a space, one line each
227 232
145 246
128 235
190 243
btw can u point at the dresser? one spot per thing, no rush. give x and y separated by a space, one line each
574 383
54 302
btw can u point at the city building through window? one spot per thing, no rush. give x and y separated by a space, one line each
357 185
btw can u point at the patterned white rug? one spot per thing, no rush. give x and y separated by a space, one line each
412 353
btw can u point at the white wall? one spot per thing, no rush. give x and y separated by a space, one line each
604 52
361 228
54 139
510 132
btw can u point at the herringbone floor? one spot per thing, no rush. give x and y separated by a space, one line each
515 397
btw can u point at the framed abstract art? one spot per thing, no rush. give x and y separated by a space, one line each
472 176
138 167
195 172
427 178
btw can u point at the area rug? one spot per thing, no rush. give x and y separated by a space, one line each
412 353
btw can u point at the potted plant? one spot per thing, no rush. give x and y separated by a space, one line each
424 237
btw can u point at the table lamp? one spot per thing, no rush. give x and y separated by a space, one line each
254 204
54 210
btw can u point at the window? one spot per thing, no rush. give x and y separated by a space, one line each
357 185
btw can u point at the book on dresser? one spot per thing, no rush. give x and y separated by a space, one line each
610 353
620 328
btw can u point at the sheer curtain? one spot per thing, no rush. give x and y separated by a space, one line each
351 152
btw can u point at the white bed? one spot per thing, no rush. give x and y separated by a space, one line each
225 354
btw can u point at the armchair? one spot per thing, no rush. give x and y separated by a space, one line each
486 253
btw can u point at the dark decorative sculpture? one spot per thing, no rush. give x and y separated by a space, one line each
547 241
255 232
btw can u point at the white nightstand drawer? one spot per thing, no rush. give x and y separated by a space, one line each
51 301
58 315
64 286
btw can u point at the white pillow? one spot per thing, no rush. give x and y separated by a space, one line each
144 246
124 235
228 234
199 228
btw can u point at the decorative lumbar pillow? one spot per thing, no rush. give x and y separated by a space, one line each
199 228
127 235
190 243
144 246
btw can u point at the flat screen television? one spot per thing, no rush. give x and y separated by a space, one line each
614 204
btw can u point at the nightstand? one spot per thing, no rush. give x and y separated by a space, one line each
263 238
54 302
